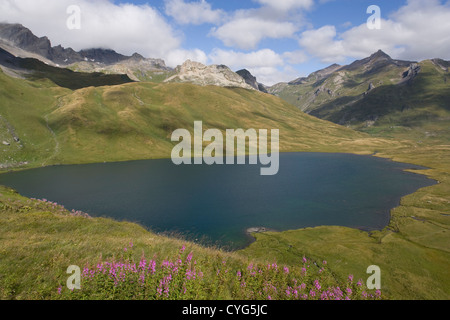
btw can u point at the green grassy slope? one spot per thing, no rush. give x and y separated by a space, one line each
420 106
417 108
136 120
343 86
23 108
34 69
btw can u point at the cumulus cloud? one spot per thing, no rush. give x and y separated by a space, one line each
266 65
272 75
414 32
287 5
296 57
274 19
246 33
126 28
239 60
193 12
179 56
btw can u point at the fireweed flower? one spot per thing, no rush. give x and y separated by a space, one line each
378 293
189 257
142 264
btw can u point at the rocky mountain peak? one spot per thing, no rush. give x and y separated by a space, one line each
380 54
21 37
200 74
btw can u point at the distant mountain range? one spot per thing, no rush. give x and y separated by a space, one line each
22 43
377 94
18 36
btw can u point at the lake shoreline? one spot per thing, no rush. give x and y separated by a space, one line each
249 232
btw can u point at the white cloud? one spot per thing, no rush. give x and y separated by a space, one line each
274 19
238 60
296 57
272 75
193 12
126 28
419 30
287 5
266 65
179 56
245 33
321 43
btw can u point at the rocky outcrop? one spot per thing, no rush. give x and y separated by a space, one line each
412 71
251 80
370 88
199 74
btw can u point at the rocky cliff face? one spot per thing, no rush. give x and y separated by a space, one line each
251 80
199 74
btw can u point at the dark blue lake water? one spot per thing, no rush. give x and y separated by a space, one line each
219 203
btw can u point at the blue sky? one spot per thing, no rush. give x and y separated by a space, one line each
277 40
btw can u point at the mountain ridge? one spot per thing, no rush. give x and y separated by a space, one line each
23 38
20 41
200 74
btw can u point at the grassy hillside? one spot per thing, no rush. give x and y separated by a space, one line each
339 86
418 109
135 121
40 240
34 69
380 96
